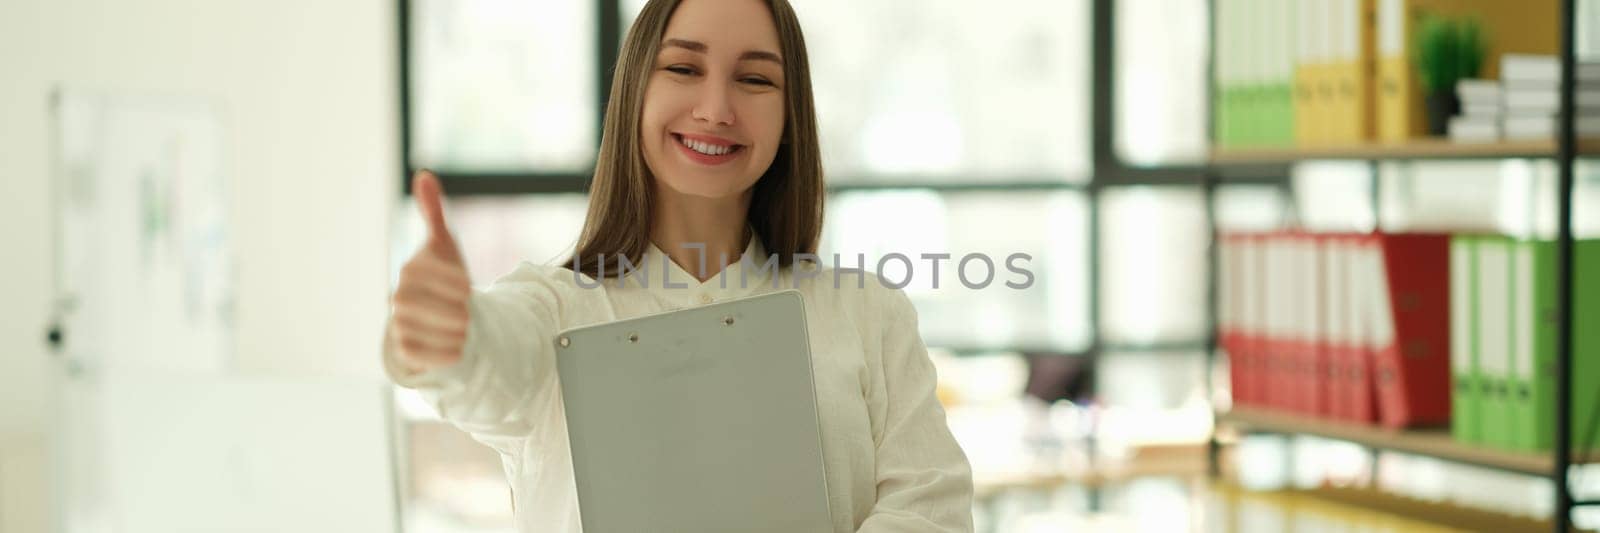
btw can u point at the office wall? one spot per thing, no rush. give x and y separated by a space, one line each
306 88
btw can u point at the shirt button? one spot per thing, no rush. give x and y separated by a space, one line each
705 298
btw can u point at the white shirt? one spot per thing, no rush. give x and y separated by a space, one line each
890 461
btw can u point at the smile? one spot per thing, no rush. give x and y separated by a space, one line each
707 151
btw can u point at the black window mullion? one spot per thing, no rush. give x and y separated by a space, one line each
606 52
403 39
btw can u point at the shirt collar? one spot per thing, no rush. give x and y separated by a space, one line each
739 278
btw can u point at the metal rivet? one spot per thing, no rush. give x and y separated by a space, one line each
727 321
633 337
565 342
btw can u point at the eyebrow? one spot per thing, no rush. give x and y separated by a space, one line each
697 46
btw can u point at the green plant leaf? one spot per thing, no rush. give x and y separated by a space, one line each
1446 50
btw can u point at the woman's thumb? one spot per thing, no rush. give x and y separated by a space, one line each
429 196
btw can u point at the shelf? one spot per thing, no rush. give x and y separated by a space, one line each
1431 442
1418 149
1340 501
1170 460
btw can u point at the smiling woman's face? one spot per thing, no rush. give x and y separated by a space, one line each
714 104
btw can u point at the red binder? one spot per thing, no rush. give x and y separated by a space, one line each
1276 350
1363 403
1303 307
1366 277
1411 357
1292 335
1315 396
1251 338
1340 344
1231 310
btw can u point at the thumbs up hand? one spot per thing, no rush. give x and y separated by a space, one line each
429 326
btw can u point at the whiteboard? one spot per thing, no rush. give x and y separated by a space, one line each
156 430
144 267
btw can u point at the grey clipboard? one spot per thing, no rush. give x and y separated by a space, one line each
697 420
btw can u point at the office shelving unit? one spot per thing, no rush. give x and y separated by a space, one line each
1436 443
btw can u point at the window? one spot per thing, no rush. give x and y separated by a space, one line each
1153 265
1515 197
1052 228
918 90
503 86
1162 53
956 94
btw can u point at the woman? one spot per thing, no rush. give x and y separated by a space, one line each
710 141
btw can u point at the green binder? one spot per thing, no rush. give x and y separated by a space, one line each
1222 109
1532 407
1585 343
1494 340
1282 113
1252 111
1464 415
1533 384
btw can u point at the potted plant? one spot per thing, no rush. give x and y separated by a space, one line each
1447 50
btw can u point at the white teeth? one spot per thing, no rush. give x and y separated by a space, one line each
708 149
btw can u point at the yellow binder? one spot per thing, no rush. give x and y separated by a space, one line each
1309 129
1352 68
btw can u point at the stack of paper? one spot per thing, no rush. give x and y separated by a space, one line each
1532 96
1479 120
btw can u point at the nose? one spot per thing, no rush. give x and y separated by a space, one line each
714 105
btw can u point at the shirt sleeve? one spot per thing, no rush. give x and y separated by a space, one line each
924 479
506 378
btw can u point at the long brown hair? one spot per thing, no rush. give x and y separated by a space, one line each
786 202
